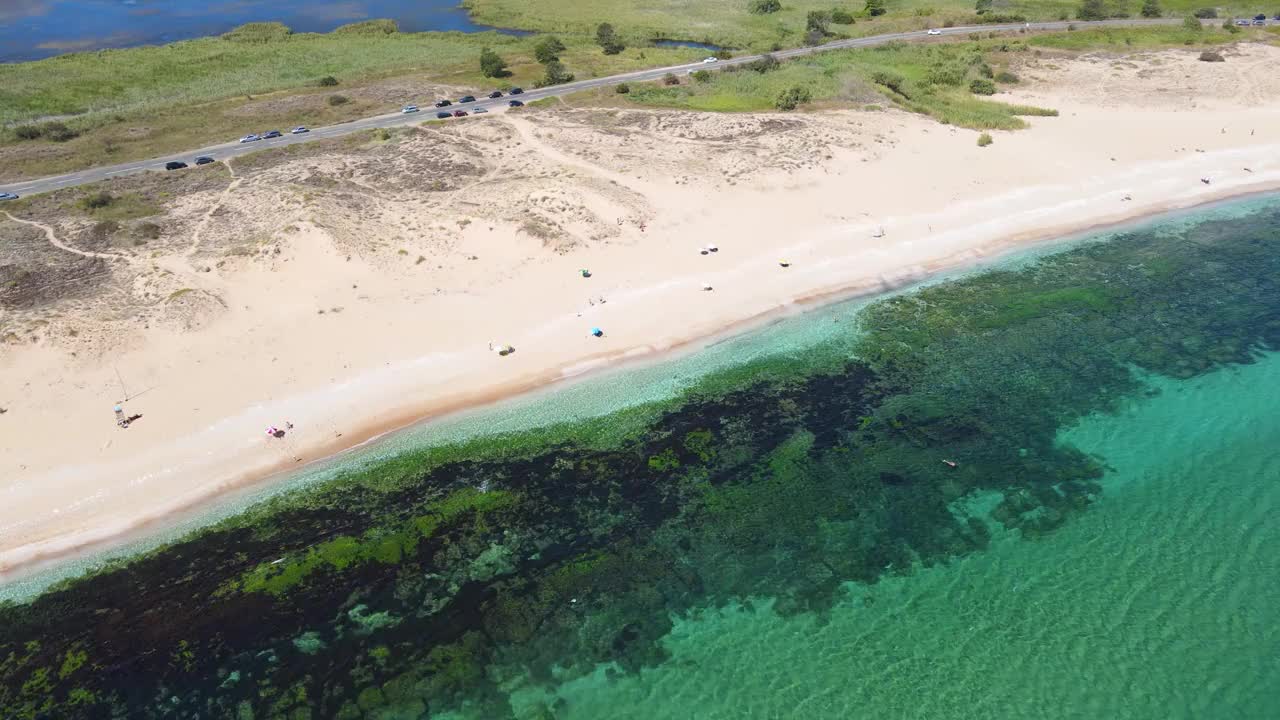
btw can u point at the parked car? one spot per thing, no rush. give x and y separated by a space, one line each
710 60
459 113
467 99
204 160
443 103
1243 22
479 110
174 165
515 91
271 134
444 115
8 196
515 103
299 130
409 109
495 94
250 138
1260 16
934 31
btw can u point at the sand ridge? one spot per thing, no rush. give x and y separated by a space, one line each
355 286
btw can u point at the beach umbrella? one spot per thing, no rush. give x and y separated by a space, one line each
597 331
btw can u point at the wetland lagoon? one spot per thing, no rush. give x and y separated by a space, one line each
1041 489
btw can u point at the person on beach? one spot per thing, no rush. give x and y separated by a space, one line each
121 420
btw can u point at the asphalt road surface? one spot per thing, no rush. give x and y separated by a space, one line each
397 119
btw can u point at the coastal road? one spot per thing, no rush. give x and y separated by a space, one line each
233 149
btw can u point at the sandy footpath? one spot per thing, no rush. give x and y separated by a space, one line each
911 198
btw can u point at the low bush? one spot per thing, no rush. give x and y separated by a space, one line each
793 97
1207 13
982 86
764 64
1211 56
97 201
670 79
984 140
763 7
148 230
57 132
622 89
840 16
27 132
702 76
336 100
327 81
1004 76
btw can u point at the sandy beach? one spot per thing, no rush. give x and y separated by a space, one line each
367 302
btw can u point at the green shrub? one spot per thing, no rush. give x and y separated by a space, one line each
608 40
946 74
1004 76
547 48
893 81
984 140
670 79
327 81
97 201
1150 9
492 65
792 97
840 16
1207 13
1211 56
1092 10
702 76
382 134
258 32
763 7
1192 24
555 74
336 100
765 64
27 132
875 8
982 86
57 132
817 21
369 27
622 88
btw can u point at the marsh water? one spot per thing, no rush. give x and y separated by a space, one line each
1041 489
34 29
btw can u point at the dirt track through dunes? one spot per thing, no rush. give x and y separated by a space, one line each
54 241
222 199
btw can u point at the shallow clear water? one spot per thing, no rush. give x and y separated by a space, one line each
1158 603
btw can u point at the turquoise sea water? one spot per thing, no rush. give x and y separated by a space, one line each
1159 603
1044 488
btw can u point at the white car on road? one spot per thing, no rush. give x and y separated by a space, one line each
409 109
299 130
710 60
934 31
250 138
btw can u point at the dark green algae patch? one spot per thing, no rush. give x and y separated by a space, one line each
443 578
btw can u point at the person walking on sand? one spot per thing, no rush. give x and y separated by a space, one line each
121 420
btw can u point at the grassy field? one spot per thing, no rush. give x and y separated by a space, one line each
728 22
933 79
122 105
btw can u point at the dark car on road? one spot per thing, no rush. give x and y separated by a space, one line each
515 91
459 113
467 99
444 115
8 196
271 134
443 103
204 160
174 165
495 94
515 103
